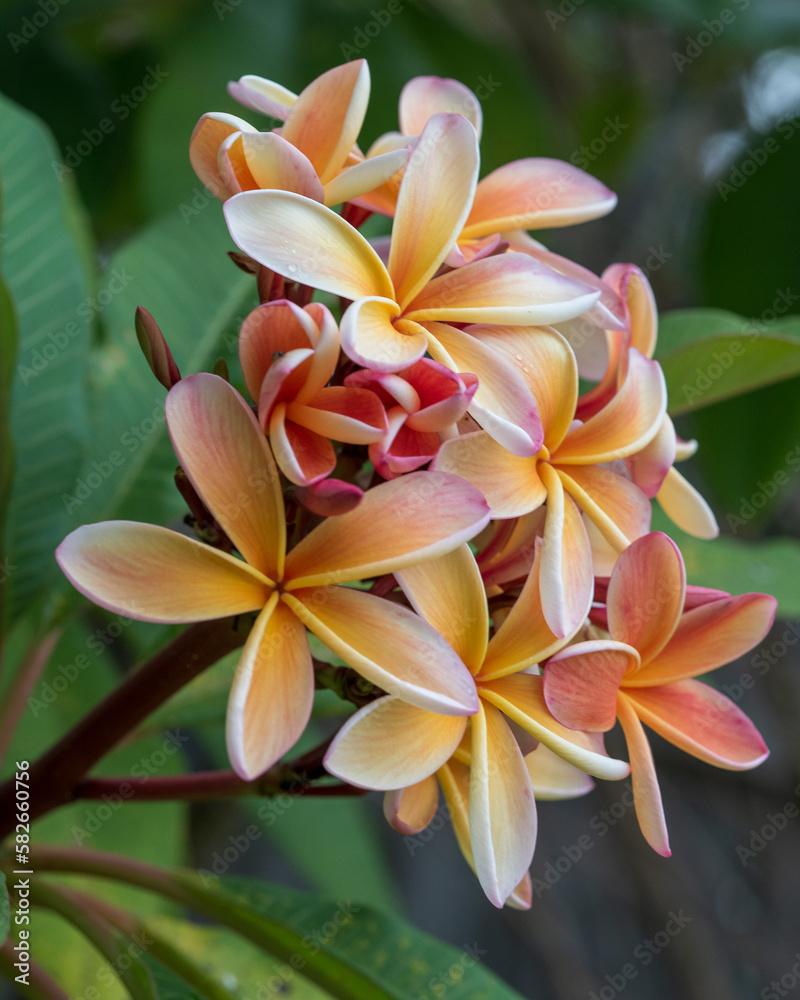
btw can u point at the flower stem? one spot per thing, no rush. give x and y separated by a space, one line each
56 775
24 681
41 986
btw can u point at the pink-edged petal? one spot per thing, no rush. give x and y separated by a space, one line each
581 683
448 593
589 343
702 721
646 793
502 810
208 135
546 363
329 497
223 452
648 468
156 575
536 193
645 594
397 524
364 176
372 337
389 645
618 509
401 450
503 403
685 507
340 413
567 578
509 556
304 456
274 327
326 118
628 423
641 312
454 779
524 638
443 394
389 744
508 288
306 242
425 96
262 95
709 636
553 778
521 697
325 336
272 693
232 165
434 199
409 810
511 485
466 251
275 163
522 897
281 383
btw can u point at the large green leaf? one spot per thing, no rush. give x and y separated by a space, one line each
41 261
710 355
353 951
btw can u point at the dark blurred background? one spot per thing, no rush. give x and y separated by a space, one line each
690 111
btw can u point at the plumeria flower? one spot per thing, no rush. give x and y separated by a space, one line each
391 744
646 674
532 193
313 153
288 356
571 471
421 402
383 328
154 574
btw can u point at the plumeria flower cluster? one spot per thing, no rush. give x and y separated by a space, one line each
422 485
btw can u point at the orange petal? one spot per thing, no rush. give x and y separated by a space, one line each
566 569
435 195
520 697
646 793
502 810
223 452
389 645
581 683
628 423
341 413
649 467
546 362
262 95
454 779
641 312
709 636
276 163
397 524
156 575
372 337
510 484
326 118
208 135
272 694
536 193
553 778
524 638
306 242
278 326
448 593
503 404
508 288
685 507
365 176
425 96
409 810
232 165
619 510
304 456
389 744
645 595
702 721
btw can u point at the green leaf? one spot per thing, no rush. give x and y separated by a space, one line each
771 566
708 356
354 951
42 267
